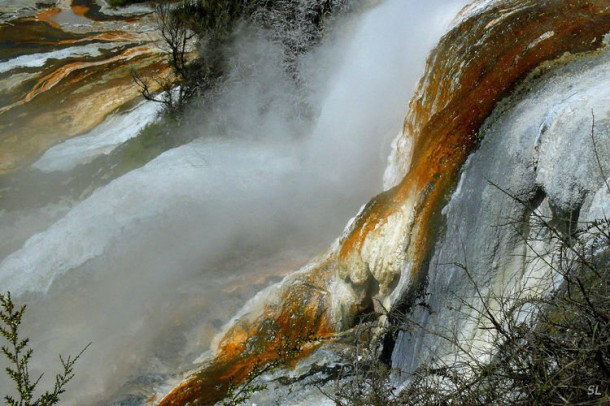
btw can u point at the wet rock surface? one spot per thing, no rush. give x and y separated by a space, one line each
62 72
537 146
385 251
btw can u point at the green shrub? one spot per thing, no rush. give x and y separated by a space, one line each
19 353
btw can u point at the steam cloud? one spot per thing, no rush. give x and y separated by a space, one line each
150 266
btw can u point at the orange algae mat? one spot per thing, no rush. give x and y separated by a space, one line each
476 64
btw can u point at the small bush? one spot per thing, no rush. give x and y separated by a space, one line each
546 349
205 27
19 353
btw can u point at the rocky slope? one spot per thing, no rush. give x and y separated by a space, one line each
64 66
539 146
536 144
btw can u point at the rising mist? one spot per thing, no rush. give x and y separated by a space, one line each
149 267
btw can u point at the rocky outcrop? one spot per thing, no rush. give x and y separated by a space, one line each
471 69
539 146
398 239
67 73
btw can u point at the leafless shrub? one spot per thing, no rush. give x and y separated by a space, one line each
207 26
177 87
533 349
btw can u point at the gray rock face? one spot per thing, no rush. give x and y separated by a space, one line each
537 146
13 9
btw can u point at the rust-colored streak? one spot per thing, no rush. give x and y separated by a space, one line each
473 67
108 36
445 135
80 11
300 312
51 80
75 105
32 31
112 36
46 15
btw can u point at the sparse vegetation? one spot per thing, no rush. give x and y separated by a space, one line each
195 33
178 87
536 349
287 352
547 350
19 353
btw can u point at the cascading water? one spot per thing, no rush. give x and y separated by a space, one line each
149 267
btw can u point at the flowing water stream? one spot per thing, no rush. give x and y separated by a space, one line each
150 265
